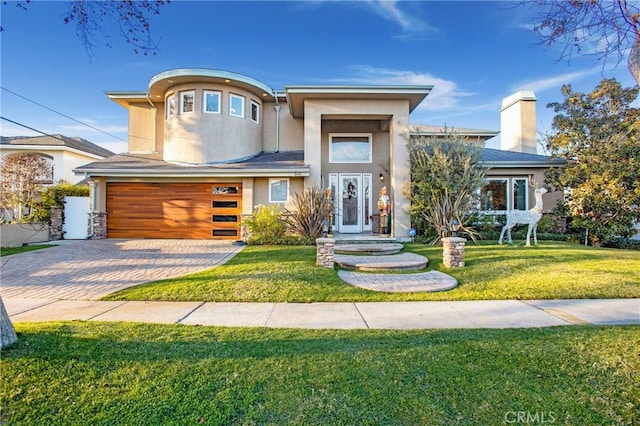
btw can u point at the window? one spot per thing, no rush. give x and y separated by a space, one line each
520 192
225 190
278 190
171 105
236 105
224 204
350 148
255 112
502 194
493 195
187 101
211 102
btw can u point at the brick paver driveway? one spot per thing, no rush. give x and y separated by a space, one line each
88 270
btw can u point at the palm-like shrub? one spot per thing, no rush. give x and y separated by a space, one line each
311 207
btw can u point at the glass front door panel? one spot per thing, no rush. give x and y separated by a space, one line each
350 204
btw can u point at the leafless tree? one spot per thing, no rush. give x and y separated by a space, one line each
604 29
93 20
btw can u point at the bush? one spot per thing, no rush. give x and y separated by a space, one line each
54 197
623 243
265 225
311 208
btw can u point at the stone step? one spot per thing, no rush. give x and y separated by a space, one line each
431 281
371 249
396 262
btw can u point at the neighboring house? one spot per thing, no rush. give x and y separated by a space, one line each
207 146
63 153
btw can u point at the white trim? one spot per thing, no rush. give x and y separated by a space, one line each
204 101
271 181
257 105
369 136
233 96
193 96
46 149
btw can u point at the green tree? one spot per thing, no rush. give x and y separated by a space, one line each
446 174
599 136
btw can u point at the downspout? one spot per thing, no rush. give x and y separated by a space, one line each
155 117
92 207
277 132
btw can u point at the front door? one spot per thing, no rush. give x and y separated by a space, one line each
350 203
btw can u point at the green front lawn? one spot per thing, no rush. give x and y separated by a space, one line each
80 373
7 251
552 270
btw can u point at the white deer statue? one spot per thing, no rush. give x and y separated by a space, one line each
530 217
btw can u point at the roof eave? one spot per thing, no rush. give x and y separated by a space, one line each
523 164
125 98
45 148
142 173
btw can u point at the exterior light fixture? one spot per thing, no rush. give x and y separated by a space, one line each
455 227
381 177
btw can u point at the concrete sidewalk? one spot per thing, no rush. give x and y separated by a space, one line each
374 315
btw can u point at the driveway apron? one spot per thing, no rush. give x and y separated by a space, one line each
91 269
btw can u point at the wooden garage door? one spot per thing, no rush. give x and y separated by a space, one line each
174 210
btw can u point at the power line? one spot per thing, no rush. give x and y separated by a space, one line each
59 113
31 128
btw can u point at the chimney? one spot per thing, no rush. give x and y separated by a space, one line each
518 122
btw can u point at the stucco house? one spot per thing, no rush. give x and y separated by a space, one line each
63 153
207 146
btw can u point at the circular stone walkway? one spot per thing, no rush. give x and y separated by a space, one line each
400 283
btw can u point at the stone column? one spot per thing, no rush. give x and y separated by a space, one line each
99 225
453 252
325 250
55 231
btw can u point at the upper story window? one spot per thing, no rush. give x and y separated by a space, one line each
255 111
171 105
211 102
236 105
187 101
350 148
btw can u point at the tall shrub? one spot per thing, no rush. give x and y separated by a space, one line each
446 174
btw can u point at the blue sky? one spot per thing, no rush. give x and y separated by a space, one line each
474 53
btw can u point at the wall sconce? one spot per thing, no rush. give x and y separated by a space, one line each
381 177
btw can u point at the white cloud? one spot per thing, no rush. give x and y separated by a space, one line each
444 95
552 82
410 24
